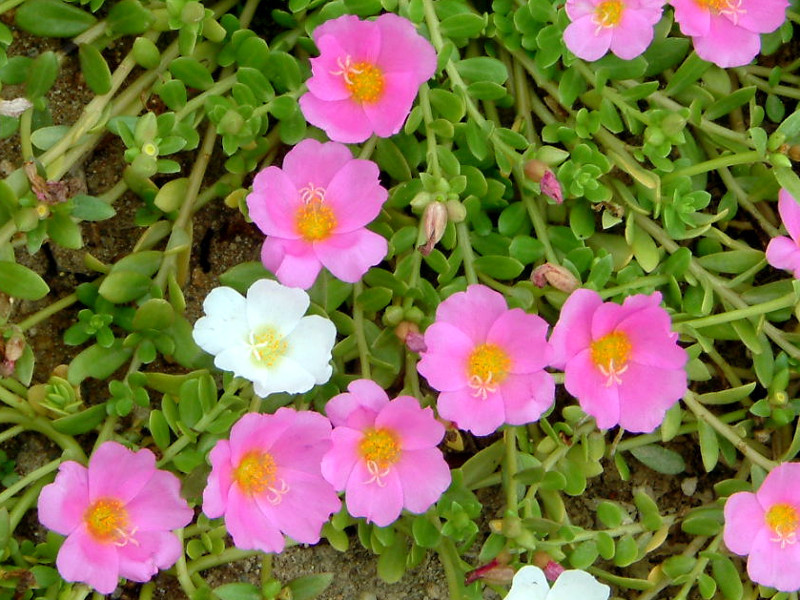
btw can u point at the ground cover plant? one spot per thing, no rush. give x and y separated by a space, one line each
510 284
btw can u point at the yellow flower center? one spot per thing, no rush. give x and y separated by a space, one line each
267 346
380 450
255 473
363 80
315 220
783 520
610 354
609 13
107 520
487 367
731 8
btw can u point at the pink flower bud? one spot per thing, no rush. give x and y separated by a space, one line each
551 187
409 334
492 572
557 276
434 221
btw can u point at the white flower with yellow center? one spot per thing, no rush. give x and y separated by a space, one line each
266 338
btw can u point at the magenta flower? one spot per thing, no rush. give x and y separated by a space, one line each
118 515
266 480
366 76
314 211
622 363
727 32
384 455
487 362
784 252
624 26
765 525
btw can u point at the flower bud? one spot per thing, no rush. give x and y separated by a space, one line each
456 211
535 169
495 572
409 334
557 276
546 563
15 107
551 187
14 347
434 221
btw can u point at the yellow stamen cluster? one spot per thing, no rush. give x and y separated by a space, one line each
610 354
256 472
107 520
609 13
315 220
379 447
267 346
487 366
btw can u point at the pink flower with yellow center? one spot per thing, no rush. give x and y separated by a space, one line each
784 252
623 26
314 211
118 515
266 480
384 455
366 76
764 525
727 32
487 361
622 362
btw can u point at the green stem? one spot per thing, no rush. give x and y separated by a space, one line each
510 468
48 312
225 557
741 313
534 210
26 147
185 440
699 567
10 433
182 572
266 569
26 501
361 338
7 231
31 477
80 591
466 252
728 160
448 556
646 281
15 402
146 593
36 423
368 148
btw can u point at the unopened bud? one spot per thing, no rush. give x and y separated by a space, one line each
794 152
493 572
551 187
535 169
14 347
456 211
546 563
434 221
409 334
557 276
7 368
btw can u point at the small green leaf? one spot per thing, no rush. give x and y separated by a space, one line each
42 75
238 591
81 422
309 587
97 362
648 511
89 208
191 72
660 459
129 17
482 68
122 286
392 562
95 69
53 18
463 25
727 576
499 267
159 429
20 282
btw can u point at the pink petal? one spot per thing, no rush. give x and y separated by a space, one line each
744 518
315 162
527 397
293 262
364 401
341 120
572 333
727 45
248 526
416 427
781 486
304 509
577 9
339 462
387 115
783 253
425 476
762 16
159 505
646 393
327 82
152 551
349 255
444 362
633 34
255 433
789 210
215 496
606 319
773 566
652 342
524 338
63 503
378 504
585 40
693 18
116 472
82 559
300 447
355 195
360 39
273 203
472 413
584 381
403 49
473 311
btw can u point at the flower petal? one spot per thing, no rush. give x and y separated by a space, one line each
527 397
481 416
82 559
633 34
349 255
780 486
578 584
416 427
789 209
360 39
403 49
315 162
359 406
378 503
586 40
248 526
771 565
584 381
523 338
159 505
727 45
444 363
573 331
762 16
693 18
119 473
270 304
273 203
425 476
152 551
355 195
339 462
645 395
744 518
784 253
215 495
473 311
310 345
387 115
63 503
529 584
292 261
341 120
224 322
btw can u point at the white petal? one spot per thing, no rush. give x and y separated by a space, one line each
225 322
578 584
310 345
286 376
530 584
278 306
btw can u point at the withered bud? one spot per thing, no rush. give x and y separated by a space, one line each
535 169
551 187
7 368
409 334
493 572
434 221
794 152
557 276
15 107
14 347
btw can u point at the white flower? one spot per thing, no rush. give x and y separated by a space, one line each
530 584
265 338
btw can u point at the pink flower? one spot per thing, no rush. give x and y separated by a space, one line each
266 480
118 515
784 252
384 455
366 76
624 26
726 32
314 211
487 362
765 526
622 363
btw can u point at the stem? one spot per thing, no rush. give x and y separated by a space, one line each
184 440
36 423
741 313
510 468
361 339
34 475
466 252
48 312
448 556
228 555
539 226
181 571
729 160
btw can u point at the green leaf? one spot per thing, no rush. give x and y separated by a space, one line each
243 275
309 587
392 562
690 71
610 514
191 72
65 231
95 69
53 18
89 208
709 445
482 68
159 429
97 362
499 267
46 137
425 533
660 459
20 282
238 591
729 102
172 194
648 511
122 286
42 75
463 25
727 576
129 17
81 422
732 261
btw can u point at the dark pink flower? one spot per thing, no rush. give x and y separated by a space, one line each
118 515
784 252
622 362
384 455
366 76
266 480
487 361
